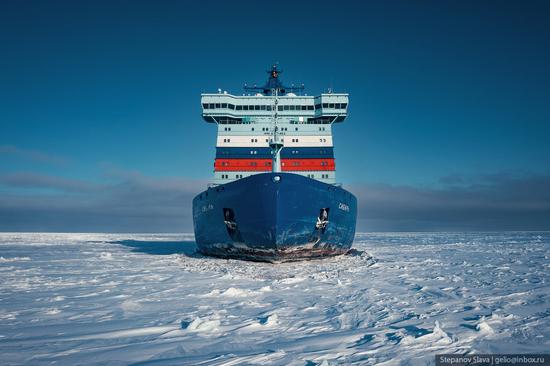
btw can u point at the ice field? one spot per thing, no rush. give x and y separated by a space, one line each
399 298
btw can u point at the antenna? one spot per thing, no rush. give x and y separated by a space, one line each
273 82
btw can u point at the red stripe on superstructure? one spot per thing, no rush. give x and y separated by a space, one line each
245 165
307 164
264 165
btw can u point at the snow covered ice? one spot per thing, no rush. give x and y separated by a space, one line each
399 298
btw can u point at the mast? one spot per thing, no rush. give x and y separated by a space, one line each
275 143
272 88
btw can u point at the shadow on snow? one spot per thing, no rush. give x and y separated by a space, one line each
185 247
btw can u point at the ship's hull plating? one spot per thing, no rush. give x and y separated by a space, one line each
274 217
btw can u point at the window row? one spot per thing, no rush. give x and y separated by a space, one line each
223 120
293 152
331 105
323 176
226 176
256 107
295 108
300 163
268 163
321 152
266 129
251 163
267 140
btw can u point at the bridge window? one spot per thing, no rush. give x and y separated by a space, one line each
321 120
218 105
224 105
331 105
309 107
262 107
318 106
239 108
250 107
229 120
231 106
325 105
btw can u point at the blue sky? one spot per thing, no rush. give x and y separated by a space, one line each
444 96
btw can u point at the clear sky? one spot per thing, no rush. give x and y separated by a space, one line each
100 126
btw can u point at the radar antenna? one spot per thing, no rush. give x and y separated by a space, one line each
273 83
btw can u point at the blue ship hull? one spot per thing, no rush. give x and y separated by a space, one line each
274 217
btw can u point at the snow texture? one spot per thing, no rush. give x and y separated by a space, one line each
397 298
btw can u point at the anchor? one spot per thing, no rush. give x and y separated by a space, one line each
322 220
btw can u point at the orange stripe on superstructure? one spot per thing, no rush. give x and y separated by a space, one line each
245 165
264 165
307 164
